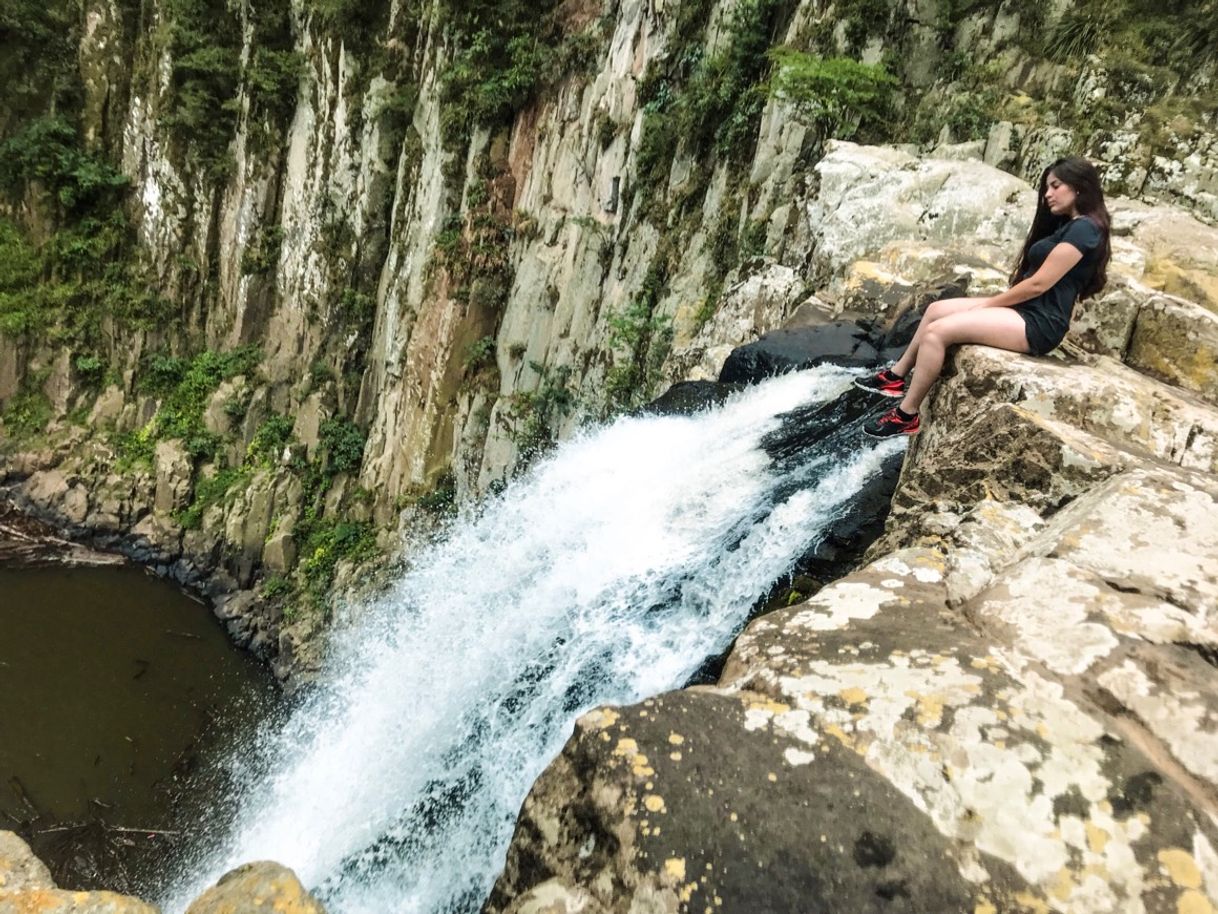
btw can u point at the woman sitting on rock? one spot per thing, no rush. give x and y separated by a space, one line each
1065 258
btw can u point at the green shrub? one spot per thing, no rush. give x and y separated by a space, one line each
341 446
479 353
209 491
1080 31
329 542
27 413
90 369
841 97
271 437
47 150
184 387
276 586
531 415
442 499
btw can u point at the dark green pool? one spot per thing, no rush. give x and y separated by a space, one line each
115 690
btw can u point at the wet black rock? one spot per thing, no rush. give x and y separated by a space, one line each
855 345
688 397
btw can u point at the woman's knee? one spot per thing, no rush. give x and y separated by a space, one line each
942 308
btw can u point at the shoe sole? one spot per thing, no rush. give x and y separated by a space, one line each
883 393
882 437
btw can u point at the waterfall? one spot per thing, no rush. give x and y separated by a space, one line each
609 573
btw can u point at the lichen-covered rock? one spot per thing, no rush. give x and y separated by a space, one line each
1181 252
871 196
1177 341
19 868
257 888
1011 708
58 901
26 887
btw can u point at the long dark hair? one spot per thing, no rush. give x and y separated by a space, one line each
1084 180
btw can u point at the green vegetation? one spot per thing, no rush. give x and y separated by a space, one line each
711 104
328 542
479 353
38 68
341 446
262 253
184 387
27 413
209 491
508 51
269 440
841 97
67 286
531 416
47 150
204 40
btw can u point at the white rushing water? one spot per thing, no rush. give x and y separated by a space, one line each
608 574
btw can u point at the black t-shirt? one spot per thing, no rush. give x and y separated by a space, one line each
1048 315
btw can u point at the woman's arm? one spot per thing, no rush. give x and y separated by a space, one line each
1060 261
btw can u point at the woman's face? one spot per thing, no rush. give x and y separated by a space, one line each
1059 197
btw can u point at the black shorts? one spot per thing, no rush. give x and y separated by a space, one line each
1043 336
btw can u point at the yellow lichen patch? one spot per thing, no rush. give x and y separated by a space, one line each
687 891
768 704
1181 867
734 817
600 718
772 777
676 739
626 747
930 709
654 803
675 756
674 868
1030 903
1097 838
853 696
1193 902
841 736
984 906
1063 884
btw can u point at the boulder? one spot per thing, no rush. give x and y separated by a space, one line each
871 196
1181 252
20 870
257 888
1177 342
1010 707
174 475
56 901
279 553
107 407
45 488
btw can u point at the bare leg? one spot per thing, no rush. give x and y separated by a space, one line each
1002 328
934 312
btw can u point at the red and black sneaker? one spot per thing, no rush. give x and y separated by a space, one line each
884 383
893 423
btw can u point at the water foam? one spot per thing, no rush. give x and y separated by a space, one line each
607 574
